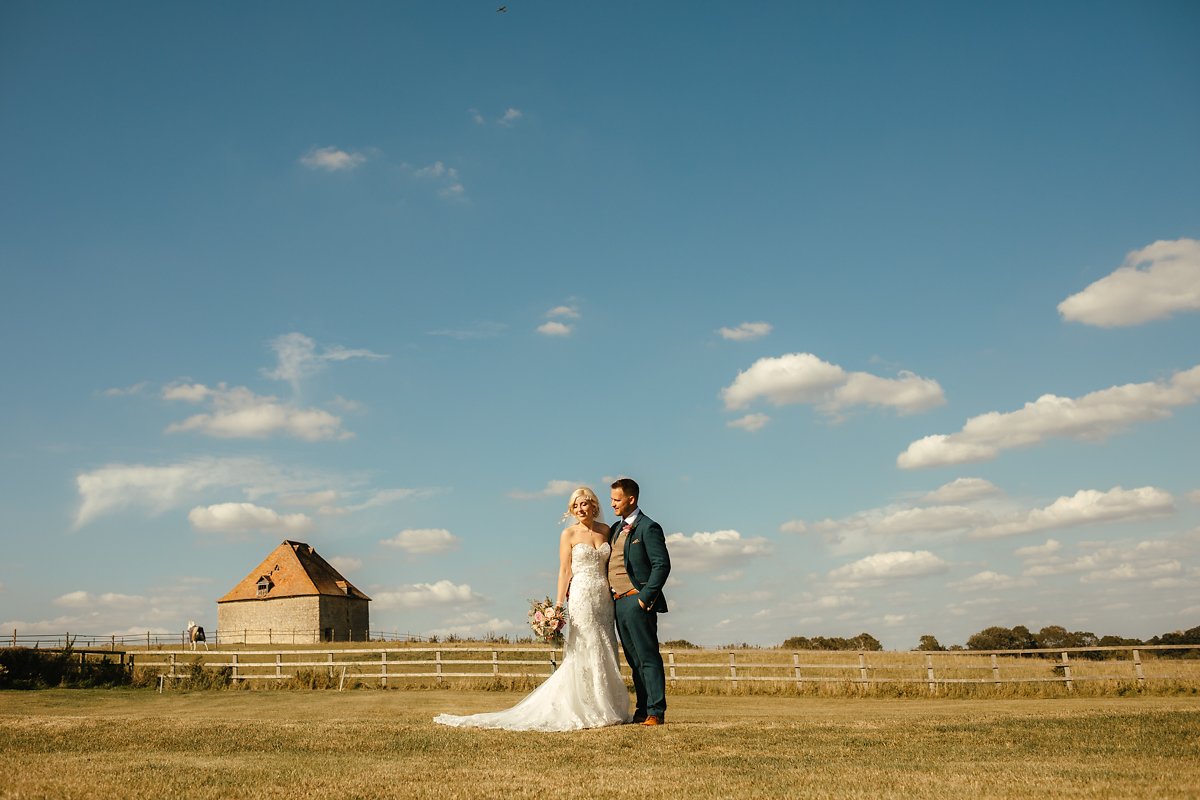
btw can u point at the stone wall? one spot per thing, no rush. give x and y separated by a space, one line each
273 621
282 620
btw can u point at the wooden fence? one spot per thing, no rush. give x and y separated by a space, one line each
1067 666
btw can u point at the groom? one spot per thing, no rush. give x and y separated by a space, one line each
637 570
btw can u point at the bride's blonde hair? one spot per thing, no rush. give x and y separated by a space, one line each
586 493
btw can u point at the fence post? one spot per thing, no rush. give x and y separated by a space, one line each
995 670
112 645
1066 665
1137 668
796 667
331 666
862 668
383 669
147 640
495 663
243 635
278 665
14 637
438 659
929 673
172 673
233 663
270 636
671 665
732 671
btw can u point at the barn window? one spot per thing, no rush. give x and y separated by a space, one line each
264 586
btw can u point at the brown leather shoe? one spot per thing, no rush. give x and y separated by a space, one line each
653 720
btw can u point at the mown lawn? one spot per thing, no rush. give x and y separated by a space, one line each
364 744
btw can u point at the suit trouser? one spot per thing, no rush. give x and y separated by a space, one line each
638 630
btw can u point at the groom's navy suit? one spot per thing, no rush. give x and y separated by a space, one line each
647 565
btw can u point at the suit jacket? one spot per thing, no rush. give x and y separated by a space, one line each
646 560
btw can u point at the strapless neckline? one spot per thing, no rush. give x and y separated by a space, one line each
589 547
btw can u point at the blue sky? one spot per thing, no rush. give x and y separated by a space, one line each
891 309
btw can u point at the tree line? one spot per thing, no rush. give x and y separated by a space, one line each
1056 637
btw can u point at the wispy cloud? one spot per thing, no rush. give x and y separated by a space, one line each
556 488
745 331
332 159
239 413
1153 283
805 378
157 489
345 564
297 358
989 581
750 422
554 328
1092 417
423 541
962 490
243 517
444 177
126 391
510 117
478 330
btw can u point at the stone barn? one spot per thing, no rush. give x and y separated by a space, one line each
293 595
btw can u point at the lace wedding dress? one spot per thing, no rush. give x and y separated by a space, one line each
586 691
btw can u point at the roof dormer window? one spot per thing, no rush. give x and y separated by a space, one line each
264 585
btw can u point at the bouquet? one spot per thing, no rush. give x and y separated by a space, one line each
547 621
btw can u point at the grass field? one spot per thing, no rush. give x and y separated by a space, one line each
67 743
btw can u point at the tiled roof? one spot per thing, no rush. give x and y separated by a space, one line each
295 570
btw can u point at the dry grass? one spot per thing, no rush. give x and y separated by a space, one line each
139 744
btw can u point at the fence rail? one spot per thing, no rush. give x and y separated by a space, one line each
151 639
854 668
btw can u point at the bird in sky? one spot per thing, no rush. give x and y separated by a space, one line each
502 10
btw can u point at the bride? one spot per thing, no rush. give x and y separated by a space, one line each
586 691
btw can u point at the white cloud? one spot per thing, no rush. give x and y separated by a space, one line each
240 517
1134 572
1194 496
881 567
719 550
1087 506
566 312
345 564
125 391
476 117
239 413
745 331
385 497
1153 560
794 526
484 627
428 596
82 599
851 532
310 499
331 159
894 619
961 490
989 581
1152 283
554 328
436 170
297 357
511 115
553 489
750 422
1051 547
158 488
1091 417
805 378
423 541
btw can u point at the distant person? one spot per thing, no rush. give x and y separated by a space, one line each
196 635
587 690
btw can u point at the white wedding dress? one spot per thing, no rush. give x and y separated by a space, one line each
586 691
